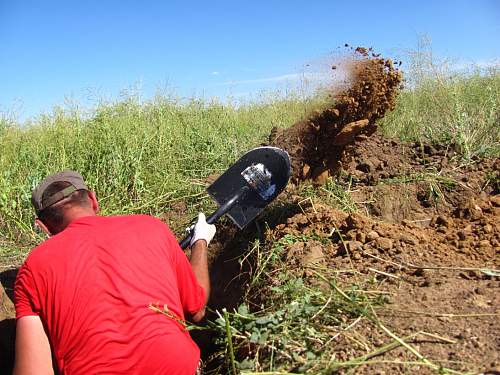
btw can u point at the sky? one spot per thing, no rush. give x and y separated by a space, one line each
62 52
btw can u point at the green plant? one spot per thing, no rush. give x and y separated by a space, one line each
441 104
287 319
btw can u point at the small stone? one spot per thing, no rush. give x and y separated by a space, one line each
384 243
313 255
408 239
484 243
322 178
371 235
443 220
488 228
361 237
353 246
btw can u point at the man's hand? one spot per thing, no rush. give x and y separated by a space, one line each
202 230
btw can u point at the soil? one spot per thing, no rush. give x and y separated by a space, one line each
427 226
431 269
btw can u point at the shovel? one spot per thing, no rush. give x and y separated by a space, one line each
248 186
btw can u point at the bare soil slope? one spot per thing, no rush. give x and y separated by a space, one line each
431 256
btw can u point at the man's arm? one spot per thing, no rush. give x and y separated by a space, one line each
203 234
33 353
199 264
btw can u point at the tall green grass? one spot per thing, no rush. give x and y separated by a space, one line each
138 157
446 105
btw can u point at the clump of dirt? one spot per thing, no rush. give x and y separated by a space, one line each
316 144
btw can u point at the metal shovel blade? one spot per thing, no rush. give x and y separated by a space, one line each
255 179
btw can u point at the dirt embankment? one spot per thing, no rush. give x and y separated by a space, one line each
427 226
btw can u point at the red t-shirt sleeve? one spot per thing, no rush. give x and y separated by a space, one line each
25 294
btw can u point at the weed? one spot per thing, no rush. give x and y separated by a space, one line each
333 192
289 319
138 157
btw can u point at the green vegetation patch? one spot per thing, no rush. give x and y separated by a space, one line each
138 157
291 314
442 105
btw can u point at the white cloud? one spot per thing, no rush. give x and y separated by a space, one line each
215 73
292 77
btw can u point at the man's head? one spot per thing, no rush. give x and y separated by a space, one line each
61 198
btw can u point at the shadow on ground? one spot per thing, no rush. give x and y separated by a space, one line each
7 321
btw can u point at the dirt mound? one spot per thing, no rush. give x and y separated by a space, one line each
396 181
426 231
446 241
316 144
436 279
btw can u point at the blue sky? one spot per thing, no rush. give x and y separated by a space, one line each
52 51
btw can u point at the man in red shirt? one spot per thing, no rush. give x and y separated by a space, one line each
88 296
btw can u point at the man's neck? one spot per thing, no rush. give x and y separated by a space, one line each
76 214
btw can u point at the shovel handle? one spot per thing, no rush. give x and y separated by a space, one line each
221 211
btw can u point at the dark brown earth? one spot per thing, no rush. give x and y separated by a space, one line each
425 253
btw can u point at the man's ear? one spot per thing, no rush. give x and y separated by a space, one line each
94 202
39 223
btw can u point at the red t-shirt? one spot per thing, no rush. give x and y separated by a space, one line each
91 285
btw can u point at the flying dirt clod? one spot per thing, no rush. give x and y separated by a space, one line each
316 143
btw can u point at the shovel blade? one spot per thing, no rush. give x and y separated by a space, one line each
275 164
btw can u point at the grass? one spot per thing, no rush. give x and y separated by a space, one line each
146 156
287 321
445 105
138 157
298 319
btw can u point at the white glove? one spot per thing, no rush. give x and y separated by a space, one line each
202 230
